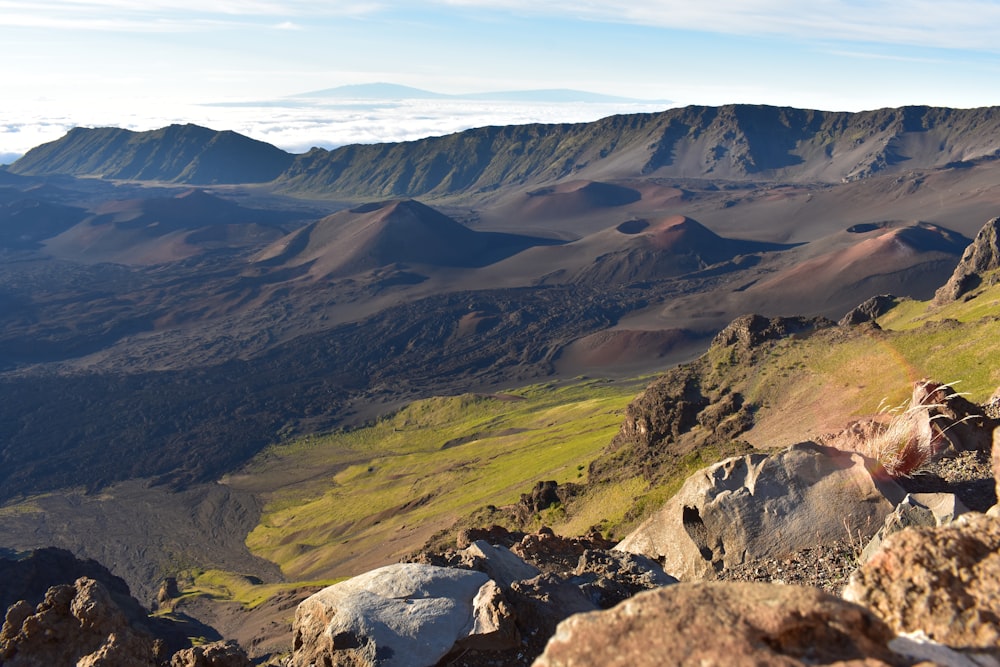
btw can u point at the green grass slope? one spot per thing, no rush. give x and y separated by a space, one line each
344 503
810 387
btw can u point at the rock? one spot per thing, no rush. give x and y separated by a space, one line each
493 535
980 257
74 625
942 581
406 614
996 460
500 564
916 509
991 408
750 331
716 623
956 424
216 654
609 577
542 603
168 590
869 310
554 553
29 575
757 506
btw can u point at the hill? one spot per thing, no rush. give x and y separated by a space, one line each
377 235
155 230
179 153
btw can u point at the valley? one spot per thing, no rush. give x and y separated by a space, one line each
220 358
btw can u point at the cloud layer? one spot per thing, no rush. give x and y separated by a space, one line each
298 125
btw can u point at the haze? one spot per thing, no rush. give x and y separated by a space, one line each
141 66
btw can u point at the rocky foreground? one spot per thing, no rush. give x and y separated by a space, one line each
763 544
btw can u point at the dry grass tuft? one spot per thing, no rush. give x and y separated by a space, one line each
914 433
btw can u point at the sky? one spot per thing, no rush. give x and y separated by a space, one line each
239 64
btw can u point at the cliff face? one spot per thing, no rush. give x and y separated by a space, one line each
980 258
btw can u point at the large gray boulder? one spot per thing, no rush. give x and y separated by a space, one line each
404 615
764 506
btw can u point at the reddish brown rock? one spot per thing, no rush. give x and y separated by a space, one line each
715 623
216 654
942 581
74 625
996 460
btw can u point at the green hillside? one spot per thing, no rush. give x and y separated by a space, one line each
342 503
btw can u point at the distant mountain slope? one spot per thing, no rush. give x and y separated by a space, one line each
734 142
178 153
394 91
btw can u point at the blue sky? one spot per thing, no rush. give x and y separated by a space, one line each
143 64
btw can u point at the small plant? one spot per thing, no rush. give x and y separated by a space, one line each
912 436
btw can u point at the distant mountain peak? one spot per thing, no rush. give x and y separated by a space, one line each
394 91
373 91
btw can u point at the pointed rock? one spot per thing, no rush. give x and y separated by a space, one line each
982 256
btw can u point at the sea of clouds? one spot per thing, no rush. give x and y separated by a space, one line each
295 124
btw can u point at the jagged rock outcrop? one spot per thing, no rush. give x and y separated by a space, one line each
758 506
610 577
982 256
748 332
682 411
714 623
404 615
30 575
78 625
943 582
216 654
869 310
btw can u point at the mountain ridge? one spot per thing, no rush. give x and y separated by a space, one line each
732 142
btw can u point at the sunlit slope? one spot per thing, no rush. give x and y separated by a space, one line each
807 387
344 503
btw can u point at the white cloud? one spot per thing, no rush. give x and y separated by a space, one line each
165 15
297 127
965 24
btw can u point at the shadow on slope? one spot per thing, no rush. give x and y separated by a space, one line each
164 229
